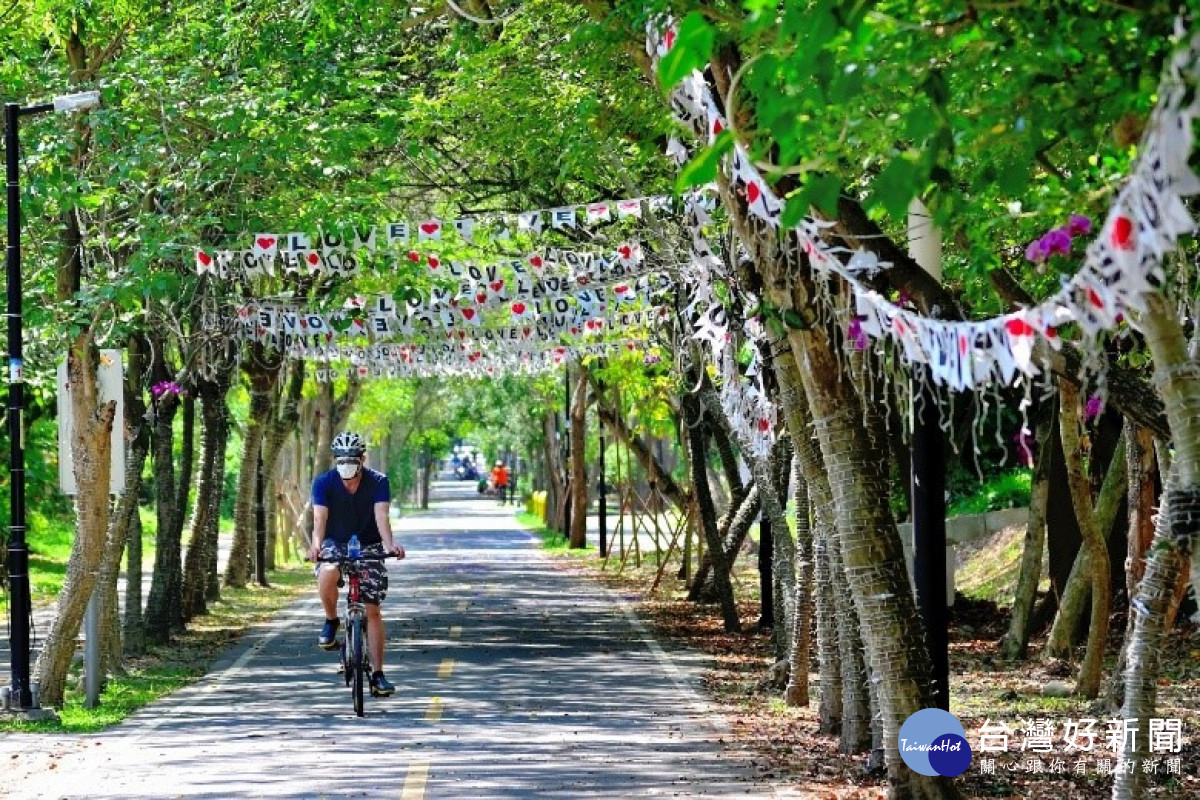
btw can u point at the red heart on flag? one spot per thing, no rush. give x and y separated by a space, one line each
203 257
669 38
525 332
518 308
1094 299
1122 233
265 242
462 334
469 313
752 193
496 285
430 228
481 298
625 251
764 424
535 262
433 261
560 350
621 289
583 280
1019 327
1051 333
313 258
717 127
414 256
962 344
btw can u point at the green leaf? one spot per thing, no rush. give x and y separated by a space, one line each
895 187
702 168
691 50
793 320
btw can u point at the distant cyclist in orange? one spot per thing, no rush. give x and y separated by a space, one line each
500 481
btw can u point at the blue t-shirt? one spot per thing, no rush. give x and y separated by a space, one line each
351 513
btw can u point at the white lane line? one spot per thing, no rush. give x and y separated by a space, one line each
698 703
217 681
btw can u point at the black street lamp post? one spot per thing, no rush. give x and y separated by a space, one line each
18 551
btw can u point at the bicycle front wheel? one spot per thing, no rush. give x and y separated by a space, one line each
357 663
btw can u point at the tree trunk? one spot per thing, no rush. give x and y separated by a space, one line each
92 458
137 445
1142 479
205 520
133 626
556 475
163 611
1177 531
1063 636
1070 420
872 557
818 499
693 413
282 427
796 693
263 400
1016 640
732 529
579 482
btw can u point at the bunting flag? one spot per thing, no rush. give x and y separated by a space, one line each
1121 265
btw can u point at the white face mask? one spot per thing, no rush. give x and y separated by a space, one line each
347 471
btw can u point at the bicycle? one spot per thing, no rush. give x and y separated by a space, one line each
356 663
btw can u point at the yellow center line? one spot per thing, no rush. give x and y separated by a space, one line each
435 710
463 605
414 781
455 631
446 668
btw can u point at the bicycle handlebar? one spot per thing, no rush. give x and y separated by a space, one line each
342 559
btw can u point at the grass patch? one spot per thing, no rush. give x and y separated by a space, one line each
1006 490
164 669
551 540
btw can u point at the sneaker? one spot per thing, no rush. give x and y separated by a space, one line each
328 638
381 686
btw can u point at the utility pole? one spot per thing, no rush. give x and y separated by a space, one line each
21 693
928 496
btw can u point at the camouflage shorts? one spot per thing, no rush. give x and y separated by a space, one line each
373 578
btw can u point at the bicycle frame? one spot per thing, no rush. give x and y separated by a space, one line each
356 665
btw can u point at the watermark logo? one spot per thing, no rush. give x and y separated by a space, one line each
933 742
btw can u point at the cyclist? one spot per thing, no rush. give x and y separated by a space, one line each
353 500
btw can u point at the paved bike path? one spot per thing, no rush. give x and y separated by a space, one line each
515 678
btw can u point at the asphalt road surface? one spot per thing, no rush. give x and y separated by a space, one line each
516 678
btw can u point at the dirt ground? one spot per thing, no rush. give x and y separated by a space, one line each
984 686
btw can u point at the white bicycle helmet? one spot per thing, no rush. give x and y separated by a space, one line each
348 444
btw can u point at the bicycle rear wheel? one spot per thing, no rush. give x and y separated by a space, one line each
357 663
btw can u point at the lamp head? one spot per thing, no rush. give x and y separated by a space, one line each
82 101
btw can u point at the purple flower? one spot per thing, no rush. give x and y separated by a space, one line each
1078 225
1092 408
1057 241
166 387
1037 252
854 333
903 299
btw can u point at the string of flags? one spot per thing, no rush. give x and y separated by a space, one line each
1121 265
424 361
339 250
